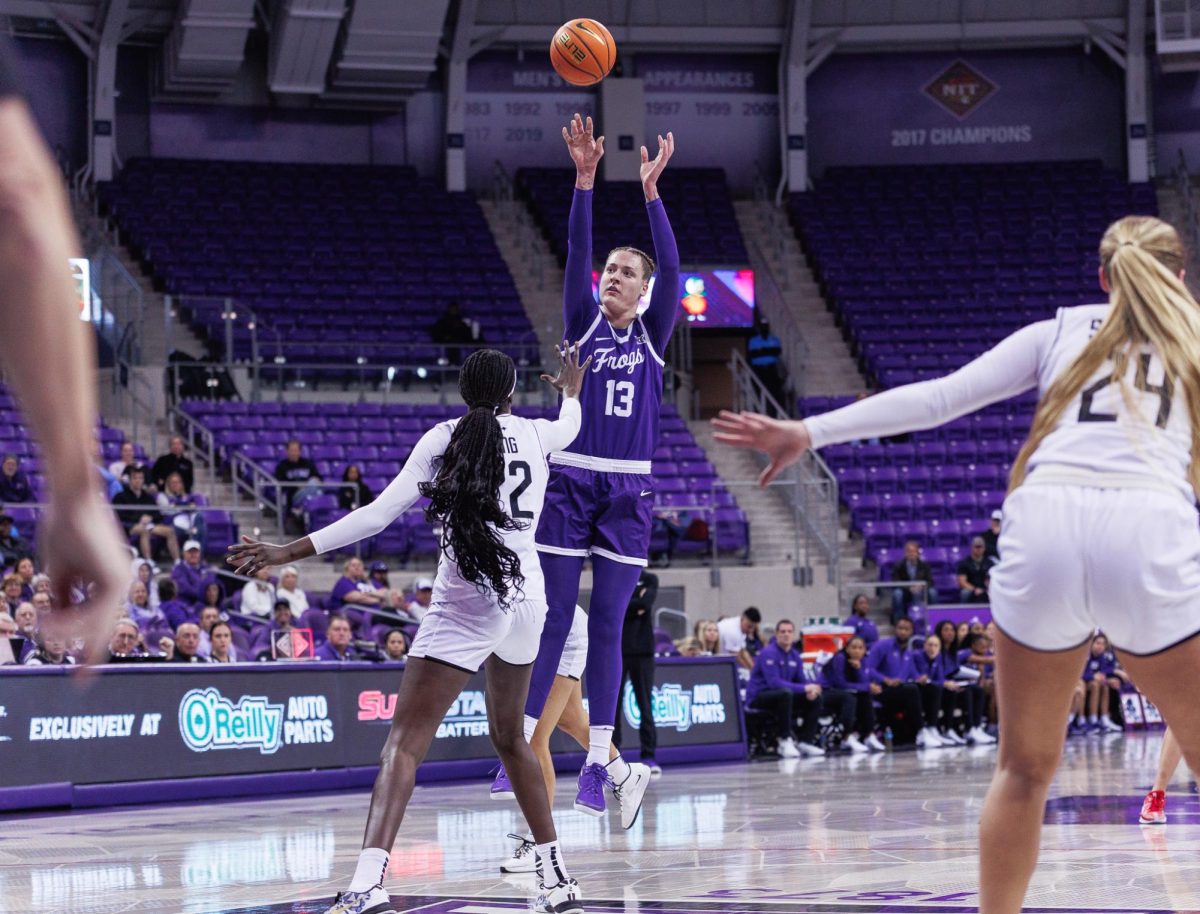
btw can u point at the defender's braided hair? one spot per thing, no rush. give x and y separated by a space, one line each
465 495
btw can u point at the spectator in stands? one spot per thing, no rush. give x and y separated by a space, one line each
452 327
281 621
669 524
764 351
190 575
12 547
258 595
42 604
186 647
689 647
779 685
393 599
937 690
110 483
354 594
12 592
208 617
890 664
337 641
911 568
289 589
138 607
8 628
174 461
1102 674
991 536
844 675
422 598
26 618
863 627
144 571
42 584
213 597
974 572
222 649
295 470
140 516
395 646
354 492
51 650
125 643
127 461
174 610
740 636
25 571
181 509
708 636
14 484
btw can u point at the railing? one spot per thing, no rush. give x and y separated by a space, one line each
772 303
252 479
133 395
815 496
117 302
200 439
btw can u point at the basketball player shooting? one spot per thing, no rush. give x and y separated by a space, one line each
600 497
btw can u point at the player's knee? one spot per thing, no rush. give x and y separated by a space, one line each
506 738
1031 768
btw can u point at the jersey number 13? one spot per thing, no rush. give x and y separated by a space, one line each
619 401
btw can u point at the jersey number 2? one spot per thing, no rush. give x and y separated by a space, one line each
519 468
620 399
1142 382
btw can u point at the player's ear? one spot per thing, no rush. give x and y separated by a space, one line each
1104 280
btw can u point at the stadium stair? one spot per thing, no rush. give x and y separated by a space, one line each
830 368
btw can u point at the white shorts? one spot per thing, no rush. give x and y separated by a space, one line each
465 635
1078 558
574 655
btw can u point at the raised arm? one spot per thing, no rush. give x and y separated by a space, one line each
250 555
558 434
663 309
586 150
1008 369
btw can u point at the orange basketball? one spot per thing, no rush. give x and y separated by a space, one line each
583 52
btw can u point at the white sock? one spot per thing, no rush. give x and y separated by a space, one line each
599 739
1092 719
529 726
372 864
619 769
550 867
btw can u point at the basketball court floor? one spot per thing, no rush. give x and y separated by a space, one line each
863 834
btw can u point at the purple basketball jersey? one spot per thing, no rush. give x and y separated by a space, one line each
623 390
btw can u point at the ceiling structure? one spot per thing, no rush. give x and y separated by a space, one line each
375 53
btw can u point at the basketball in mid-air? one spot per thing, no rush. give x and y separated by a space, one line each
583 52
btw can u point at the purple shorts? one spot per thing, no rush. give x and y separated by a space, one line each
587 512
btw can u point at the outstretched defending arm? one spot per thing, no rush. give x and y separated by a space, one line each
660 316
579 307
1004 371
369 520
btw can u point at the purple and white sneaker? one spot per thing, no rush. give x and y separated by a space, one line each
592 781
502 788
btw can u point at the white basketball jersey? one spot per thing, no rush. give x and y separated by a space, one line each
1136 428
521 496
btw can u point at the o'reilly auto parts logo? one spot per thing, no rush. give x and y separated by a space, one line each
960 89
209 720
678 707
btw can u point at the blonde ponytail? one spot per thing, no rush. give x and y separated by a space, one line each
1141 258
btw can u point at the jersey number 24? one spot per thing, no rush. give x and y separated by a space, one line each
1141 381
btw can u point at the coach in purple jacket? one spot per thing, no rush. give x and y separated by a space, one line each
890 665
779 685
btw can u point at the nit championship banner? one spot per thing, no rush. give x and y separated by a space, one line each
1017 106
157 722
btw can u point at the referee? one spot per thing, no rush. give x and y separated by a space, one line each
51 366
